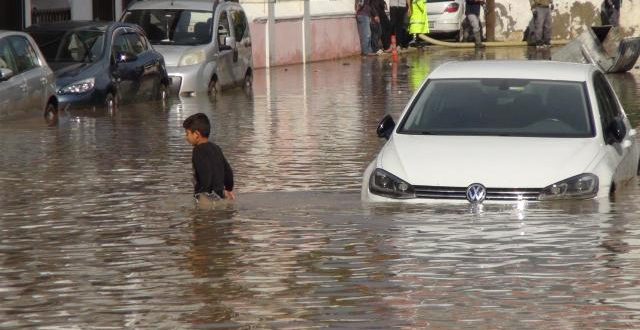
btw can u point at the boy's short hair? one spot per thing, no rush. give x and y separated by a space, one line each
198 122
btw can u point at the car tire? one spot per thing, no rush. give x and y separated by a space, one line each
51 114
162 94
247 84
214 89
111 103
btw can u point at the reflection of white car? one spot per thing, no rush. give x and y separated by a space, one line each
505 131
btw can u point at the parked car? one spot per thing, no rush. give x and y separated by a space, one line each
506 131
101 63
205 52
27 84
446 17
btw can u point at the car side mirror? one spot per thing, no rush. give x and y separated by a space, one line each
385 127
5 74
616 131
125 57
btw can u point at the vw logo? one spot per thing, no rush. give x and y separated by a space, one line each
476 193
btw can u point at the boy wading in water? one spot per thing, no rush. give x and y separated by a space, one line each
213 177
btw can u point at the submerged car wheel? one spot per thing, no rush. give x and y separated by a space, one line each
247 85
51 114
111 103
163 94
214 89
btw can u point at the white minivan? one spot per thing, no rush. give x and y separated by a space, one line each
206 44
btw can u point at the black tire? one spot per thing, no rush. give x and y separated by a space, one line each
162 94
214 89
111 103
247 84
51 114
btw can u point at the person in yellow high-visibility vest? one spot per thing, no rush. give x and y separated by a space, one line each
418 22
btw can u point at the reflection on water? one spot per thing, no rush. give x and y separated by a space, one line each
98 228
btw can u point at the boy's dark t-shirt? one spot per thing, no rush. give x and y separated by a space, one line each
212 172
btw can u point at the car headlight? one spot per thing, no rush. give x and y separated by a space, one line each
578 187
78 87
192 58
386 184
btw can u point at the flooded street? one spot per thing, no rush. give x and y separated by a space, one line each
98 228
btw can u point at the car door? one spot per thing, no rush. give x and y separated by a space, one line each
242 49
620 155
34 75
147 65
12 89
225 52
127 70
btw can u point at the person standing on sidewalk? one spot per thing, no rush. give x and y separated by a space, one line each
473 16
400 11
613 9
364 13
542 22
418 22
383 26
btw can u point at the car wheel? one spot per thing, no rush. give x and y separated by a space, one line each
51 114
111 103
214 89
247 84
163 94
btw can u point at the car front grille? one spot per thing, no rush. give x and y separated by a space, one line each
494 194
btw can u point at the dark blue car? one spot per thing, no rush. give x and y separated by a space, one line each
101 63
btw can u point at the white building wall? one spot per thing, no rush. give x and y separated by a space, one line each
81 10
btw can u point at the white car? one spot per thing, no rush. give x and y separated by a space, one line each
446 17
505 131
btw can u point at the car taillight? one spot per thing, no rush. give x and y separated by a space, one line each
452 7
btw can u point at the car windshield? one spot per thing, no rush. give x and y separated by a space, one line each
500 107
173 26
72 46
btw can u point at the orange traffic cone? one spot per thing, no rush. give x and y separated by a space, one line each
394 48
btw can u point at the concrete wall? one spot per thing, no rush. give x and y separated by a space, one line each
569 17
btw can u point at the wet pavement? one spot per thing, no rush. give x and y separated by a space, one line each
98 229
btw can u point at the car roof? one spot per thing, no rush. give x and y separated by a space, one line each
514 69
76 25
4 33
175 4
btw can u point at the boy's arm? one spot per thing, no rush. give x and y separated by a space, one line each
228 180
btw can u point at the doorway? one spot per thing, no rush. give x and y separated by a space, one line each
12 14
104 10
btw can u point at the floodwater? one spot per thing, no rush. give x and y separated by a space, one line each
98 229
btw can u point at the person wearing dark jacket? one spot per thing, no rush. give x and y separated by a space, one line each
613 11
472 11
382 36
212 174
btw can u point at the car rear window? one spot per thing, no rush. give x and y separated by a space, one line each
502 107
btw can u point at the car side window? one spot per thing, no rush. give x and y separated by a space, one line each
223 30
120 45
136 42
239 24
6 57
607 105
25 56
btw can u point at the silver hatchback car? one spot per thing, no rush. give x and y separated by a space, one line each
206 47
27 84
